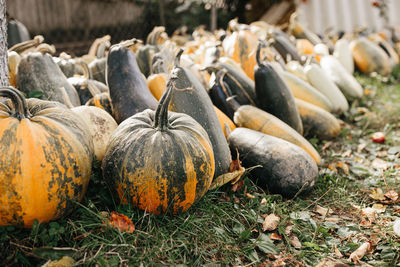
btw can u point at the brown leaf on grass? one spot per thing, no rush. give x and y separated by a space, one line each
334 219
331 263
347 153
369 213
380 164
361 147
338 254
323 211
327 145
270 222
342 165
235 172
250 196
378 208
377 194
288 230
359 253
121 222
392 195
275 236
295 242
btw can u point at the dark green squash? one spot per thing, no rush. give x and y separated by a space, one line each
241 86
128 89
274 95
159 161
219 92
16 32
191 98
284 168
38 72
282 43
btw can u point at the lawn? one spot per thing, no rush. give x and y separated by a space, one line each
354 202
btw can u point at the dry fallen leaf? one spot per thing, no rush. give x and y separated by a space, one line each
391 194
369 213
347 153
288 230
250 196
275 236
295 242
263 201
342 165
396 227
233 175
380 164
357 255
270 222
338 254
331 263
379 208
333 219
327 145
377 194
121 222
322 211
361 147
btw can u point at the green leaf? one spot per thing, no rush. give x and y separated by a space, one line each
238 228
35 94
311 245
266 245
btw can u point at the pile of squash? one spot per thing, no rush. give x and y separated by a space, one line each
166 117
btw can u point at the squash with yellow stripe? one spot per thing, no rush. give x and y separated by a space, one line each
256 119
160 162
369 57
226 123
317 122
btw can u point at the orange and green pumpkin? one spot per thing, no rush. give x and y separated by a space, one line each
159 161
46 158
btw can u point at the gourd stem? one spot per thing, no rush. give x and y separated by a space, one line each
233 103
18 100
86 71
46 48
21 47
154 35
161 116
258 54
178 58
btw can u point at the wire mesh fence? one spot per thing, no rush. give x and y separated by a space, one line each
72 25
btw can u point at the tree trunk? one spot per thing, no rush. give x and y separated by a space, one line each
3 45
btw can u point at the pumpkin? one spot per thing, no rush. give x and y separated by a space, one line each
303 90
283 167
102 101
16 32
241 46
69 66
226 123
274 95
160 162
191 98
128 89
317 122
38 72
256 119
369 57
45 160
100 124
321 81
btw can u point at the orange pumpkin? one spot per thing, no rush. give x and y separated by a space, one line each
46 158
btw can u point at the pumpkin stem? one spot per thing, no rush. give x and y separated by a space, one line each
233 103
21 47
178 58
18 100
161 116
86 71
260 45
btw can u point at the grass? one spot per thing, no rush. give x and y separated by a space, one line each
225 227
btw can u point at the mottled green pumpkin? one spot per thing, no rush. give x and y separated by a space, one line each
46 158
161 161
